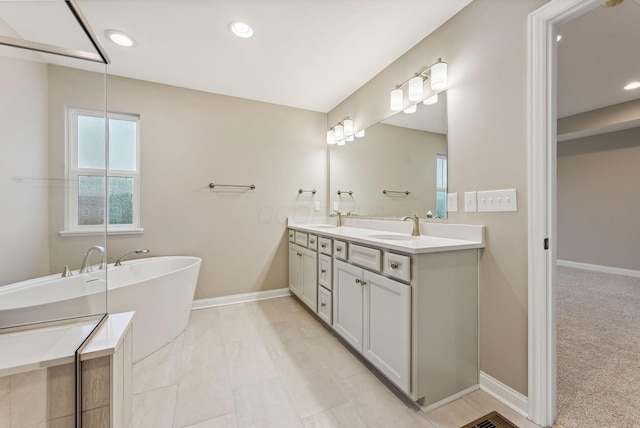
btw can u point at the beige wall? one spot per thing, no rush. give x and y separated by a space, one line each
598 204
388 157
24 252
191 138
485 46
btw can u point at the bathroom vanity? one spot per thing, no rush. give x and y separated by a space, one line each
407 304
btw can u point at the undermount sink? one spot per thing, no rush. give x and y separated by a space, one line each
322 226
395 237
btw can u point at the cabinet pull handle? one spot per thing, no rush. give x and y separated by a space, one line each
323 246
312 241
339 249
393 265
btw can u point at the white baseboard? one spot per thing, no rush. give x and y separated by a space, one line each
599 268
504 394
239 298
450 399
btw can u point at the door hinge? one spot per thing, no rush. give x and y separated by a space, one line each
546 243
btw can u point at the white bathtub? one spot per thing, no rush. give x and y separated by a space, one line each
159 289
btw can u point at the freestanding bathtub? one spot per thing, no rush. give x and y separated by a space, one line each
159 289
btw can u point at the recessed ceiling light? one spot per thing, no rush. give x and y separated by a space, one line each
632 85
558 37
241 29
120 38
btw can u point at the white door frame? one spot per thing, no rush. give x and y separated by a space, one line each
541 131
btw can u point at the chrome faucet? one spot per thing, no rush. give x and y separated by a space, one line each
338 216
119 261
85 266
416 224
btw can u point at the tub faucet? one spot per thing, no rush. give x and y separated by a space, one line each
416 224
138 251
338 216
85 263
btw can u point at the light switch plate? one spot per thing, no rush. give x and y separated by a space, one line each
470 201
336 206
452 202
497 200
316 205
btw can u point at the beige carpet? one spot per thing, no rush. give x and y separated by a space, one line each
598 349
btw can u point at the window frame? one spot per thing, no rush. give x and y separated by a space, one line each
73 172
443 172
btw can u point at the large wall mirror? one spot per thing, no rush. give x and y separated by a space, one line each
398 167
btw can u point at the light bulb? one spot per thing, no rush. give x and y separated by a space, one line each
331 137
120 38
411 109
241 29
339 131
396 100
415 88
439 76
348 127
431 100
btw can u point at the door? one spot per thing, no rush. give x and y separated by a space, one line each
324 271
295 270
347 303
309 293
387 327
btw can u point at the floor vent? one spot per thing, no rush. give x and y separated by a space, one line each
492 420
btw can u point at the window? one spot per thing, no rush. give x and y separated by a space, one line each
441 186
88 159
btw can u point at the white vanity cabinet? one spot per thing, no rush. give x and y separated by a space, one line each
303 268
373 314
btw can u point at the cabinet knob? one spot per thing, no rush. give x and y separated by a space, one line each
339 249
323 304
323 270
299 254
358 281
393 265
363 283
312 241
323 245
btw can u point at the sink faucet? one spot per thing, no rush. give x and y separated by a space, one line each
85 266
416 224
119 261
338 216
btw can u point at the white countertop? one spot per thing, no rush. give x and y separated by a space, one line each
109 337
401 242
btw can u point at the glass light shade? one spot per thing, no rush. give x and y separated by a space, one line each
341 142
431 100
360 134
632 85
350 138
339 131
348 127
415 89
411 109
331 137
396 100
439 76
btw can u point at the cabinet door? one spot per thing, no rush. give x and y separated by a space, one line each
324 271
310 278
347 303
387 327
295 270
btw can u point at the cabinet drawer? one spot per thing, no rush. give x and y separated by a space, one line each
397 266
302 238
325 245
364 256
292 235
313 242
340 250
324 304
324 271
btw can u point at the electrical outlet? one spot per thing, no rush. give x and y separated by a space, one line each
497 200
452 202
470 201
316 205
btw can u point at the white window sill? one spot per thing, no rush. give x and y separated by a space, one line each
96 232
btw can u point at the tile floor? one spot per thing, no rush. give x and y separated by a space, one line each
272 364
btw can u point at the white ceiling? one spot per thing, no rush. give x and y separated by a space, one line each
309 54
599 53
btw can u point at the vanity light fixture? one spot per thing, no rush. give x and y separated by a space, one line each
632 85
120 38
331 137
339 131
431 100
411 109
360 134
350 138
241 29
437 76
